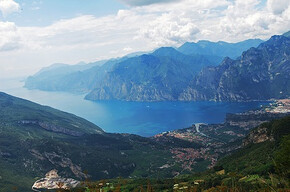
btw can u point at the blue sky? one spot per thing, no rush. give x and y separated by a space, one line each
38 33
45 12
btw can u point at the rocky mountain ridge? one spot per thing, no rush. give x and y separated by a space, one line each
259 74
220 48
157 76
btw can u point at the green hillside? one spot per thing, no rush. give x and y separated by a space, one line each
35 139
260 166
261 158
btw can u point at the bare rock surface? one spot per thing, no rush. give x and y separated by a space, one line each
53 181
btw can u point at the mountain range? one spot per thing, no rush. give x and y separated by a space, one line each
260 73
150 77
221 48
161 75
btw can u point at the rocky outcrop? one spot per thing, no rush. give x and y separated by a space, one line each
258 135
51 127
53 181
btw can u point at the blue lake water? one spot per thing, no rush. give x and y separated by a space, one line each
142 118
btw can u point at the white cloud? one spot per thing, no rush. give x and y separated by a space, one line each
128 49
169 30
278 6
9 37
155 25
8 6
245 19
146 2
83 31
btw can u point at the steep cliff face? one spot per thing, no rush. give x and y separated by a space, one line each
259 74
159 76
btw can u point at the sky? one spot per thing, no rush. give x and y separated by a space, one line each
38 33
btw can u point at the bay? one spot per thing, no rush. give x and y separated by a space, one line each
142 118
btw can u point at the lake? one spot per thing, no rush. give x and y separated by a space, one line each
142 118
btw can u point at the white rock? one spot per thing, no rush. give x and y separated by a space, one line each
53 181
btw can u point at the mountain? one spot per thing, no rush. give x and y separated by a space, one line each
70 78
159 76
260 73
219 49
287 34
96 77
79 78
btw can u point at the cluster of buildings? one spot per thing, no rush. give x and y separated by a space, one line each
280 106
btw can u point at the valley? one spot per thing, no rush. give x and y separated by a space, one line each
36 139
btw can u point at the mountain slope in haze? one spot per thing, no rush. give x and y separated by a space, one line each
219 49
261 73
79 78
287 34
69 78
154 77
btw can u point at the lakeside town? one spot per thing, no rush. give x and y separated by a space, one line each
209 142
279 106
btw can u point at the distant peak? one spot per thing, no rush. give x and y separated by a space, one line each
204 41
287 34
274 40
165 51
227 60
